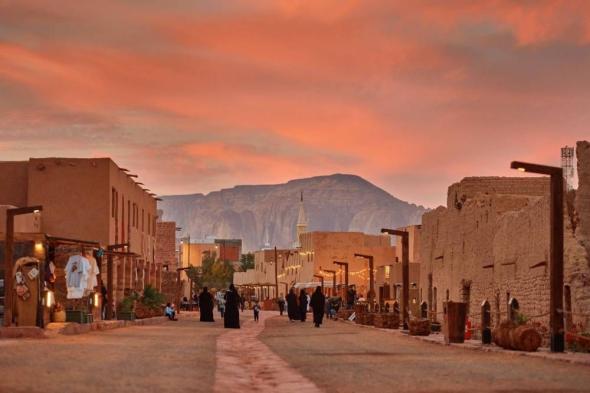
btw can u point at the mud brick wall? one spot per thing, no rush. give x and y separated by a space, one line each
166 244
170 286
493 238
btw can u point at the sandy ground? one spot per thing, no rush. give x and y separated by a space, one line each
341 358
170 357
189 356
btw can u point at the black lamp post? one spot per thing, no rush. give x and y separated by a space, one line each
555 249
405 270
371 294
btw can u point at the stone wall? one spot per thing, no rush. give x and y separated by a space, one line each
170 286
491 243
165 254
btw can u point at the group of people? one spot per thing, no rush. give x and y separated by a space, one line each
297 307
232 302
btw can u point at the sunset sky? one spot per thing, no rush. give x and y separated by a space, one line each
195 96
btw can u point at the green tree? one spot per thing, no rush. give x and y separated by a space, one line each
213 273
247 261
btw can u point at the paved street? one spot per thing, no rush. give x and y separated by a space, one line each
271 356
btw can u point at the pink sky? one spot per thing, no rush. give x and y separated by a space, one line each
195 96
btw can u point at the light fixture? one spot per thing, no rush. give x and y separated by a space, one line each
96 300
49 299
521 169
39 247
36 211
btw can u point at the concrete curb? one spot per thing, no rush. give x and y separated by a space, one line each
22 332
73 328
543 353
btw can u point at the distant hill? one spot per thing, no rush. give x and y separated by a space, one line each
268 213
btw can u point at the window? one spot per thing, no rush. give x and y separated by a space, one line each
142 220
387 272
113 202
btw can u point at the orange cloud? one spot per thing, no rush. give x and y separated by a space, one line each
410 95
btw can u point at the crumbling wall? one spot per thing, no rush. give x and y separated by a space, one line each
493 237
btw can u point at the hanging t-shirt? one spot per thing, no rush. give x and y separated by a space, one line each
93 273
77 270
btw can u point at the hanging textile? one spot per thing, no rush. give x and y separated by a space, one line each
77 272
93 272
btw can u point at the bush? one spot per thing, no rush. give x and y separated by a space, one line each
128 303
152 299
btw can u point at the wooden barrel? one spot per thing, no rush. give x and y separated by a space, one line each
525 338
419 327
501 334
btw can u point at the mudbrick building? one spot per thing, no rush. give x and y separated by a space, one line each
491 244
88 205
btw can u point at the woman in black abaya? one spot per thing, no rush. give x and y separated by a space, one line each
231 319
292 307
206 306
317 303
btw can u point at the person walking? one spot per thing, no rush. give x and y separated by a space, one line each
231 319
256 312
303 305
292 308
206 306
318 300
281 302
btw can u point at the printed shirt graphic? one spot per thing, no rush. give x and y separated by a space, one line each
77 270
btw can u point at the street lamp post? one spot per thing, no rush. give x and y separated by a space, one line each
371 294
333 273
405 270
321 279
9 256
555 249
276 274
345 264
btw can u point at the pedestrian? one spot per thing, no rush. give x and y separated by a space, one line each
318 299
303 305
281 302
231 319
256 312
170 312
221 306
242 302
292 308
206 306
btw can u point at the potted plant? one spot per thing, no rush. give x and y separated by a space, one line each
59 313
126 308
150 304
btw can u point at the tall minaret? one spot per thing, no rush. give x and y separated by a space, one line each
301 221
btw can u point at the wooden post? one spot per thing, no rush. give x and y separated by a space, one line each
8 259
556 263
110 289
556 322
276 274
371 296
8 256
406 278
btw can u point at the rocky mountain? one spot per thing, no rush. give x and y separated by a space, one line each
267 214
